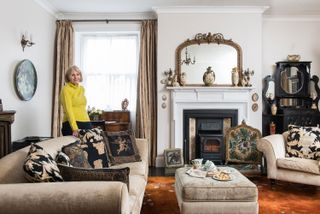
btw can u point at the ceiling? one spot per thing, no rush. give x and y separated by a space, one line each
277 7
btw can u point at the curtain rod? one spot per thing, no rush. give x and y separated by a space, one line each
106 20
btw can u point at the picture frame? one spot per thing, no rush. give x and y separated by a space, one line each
173 157
241 144
25 80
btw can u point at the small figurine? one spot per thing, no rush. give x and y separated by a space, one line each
209 77
168 81
246 75
124 104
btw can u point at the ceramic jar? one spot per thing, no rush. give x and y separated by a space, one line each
235 77
209 77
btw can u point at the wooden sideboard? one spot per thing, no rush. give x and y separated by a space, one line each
114 121
6 119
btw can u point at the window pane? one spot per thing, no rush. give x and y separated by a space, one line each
110 64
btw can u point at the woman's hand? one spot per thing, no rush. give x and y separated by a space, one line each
75 133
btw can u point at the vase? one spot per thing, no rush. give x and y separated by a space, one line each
274 109
235 77
208 77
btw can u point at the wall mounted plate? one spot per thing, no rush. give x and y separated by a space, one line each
25 80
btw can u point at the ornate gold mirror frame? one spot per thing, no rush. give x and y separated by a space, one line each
208 38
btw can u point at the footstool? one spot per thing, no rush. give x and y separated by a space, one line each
206 195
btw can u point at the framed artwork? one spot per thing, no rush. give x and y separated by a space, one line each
25 80
173 157
241 144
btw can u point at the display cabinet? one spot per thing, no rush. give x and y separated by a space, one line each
6 119
290 96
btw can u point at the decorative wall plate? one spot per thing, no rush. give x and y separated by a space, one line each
254 107
25 79
255 97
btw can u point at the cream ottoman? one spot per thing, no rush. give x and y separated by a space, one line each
206 195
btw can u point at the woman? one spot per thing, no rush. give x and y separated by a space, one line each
74 104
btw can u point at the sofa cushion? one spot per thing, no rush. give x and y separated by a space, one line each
77 157
303 142
40 166
121 147
103 174
299 164
92 143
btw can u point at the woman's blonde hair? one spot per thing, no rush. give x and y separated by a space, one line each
69 71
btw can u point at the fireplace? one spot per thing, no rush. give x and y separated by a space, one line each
204 132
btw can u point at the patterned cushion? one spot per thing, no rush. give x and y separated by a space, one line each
121 147
77 157
103 174
63 158
92 143
40 166
303 142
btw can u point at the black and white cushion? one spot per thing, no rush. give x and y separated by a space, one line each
303 142
92 143
40 166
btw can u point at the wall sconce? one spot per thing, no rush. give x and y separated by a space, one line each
187 60
25 42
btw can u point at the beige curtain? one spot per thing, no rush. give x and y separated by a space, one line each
64 58
146 117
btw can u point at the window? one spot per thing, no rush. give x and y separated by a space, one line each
109 62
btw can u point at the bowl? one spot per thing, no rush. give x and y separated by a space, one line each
293 57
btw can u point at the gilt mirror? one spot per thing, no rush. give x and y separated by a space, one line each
194 56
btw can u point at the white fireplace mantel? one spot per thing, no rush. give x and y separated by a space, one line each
200 97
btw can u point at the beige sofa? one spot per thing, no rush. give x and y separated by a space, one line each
279 167
17 195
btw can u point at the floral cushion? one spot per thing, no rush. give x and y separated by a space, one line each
104 174
121 147
40 166
92 143
303 142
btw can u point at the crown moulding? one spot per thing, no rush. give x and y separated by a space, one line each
211 9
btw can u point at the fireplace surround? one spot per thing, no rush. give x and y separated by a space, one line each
219 98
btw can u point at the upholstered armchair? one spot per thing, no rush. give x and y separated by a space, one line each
280 166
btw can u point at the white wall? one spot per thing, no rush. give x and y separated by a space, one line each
175 28
290 35
16 17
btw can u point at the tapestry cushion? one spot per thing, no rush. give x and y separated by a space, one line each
92 143
121 147
303 142
40 166
77 157
104 174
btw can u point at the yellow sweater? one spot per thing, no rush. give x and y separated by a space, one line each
74 104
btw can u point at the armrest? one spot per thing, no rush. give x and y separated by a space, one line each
273 148
143 148
64 197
